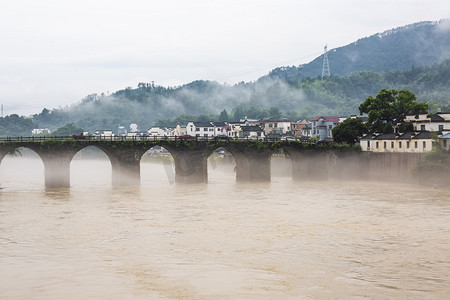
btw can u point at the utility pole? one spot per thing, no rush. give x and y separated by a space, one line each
325 66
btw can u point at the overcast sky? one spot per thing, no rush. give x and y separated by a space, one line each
55 52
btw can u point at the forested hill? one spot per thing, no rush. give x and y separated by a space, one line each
415 45
149 105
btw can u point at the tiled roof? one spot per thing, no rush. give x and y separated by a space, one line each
367 137
203 124
436 118
386 136
251 128
327 118
422 135
405 136
219 124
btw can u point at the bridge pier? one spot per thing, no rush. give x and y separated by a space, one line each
190 166
126 173
309 165
125 164
253 166
57 170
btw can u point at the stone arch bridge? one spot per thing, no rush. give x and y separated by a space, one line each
252 157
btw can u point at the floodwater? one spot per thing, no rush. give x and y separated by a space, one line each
222 240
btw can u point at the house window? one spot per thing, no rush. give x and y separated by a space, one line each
407 145
385 145
197 129
330 127
424 144
392 144
276 125
400 144
415 144
377 145
270 125
441 127
422 127
445 143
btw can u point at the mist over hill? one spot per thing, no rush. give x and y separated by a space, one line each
413 57
399 49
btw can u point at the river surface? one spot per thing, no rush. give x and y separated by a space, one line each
221 240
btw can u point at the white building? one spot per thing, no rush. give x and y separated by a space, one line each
439 122
158 131
37 131
200 129
410 142
179 130
104 133
234 128
134 128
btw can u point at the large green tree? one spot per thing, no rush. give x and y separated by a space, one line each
389 108
14 125
67 130
349 131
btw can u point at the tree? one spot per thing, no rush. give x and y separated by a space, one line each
223 117
389 108
67 130
15 125
349 131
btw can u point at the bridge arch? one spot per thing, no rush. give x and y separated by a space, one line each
281 164
157 166
21 166
90 166
221 165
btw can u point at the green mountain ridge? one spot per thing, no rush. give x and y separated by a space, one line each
399 49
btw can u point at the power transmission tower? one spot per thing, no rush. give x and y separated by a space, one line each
325 66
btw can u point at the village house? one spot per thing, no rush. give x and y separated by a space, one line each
439 122
37 131
322 126
179 130
411 142
220 129
234 128
297 128
306 130
251 132
158 131
200 129
244 130
104 133
276 128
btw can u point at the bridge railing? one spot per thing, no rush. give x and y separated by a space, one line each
130 138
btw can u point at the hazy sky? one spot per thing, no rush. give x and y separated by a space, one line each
55 52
